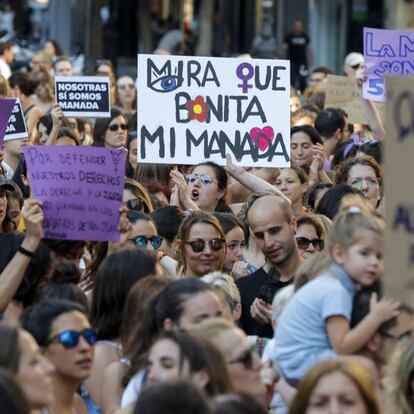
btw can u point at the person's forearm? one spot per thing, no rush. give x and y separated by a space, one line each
358 336
13 274
52 138
373 119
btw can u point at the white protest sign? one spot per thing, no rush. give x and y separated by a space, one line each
16 127
193 109
399 195
83 96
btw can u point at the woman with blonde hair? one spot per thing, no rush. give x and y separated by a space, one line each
399 380
336 383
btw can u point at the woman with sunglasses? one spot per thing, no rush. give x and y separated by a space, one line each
309 236
111 132
126 95
20 355
63 332
201 245
114 279
136 197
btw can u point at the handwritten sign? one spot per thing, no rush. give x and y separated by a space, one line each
342 92
80 188
399 206
6 108
387 52
83 96
193 109
16 127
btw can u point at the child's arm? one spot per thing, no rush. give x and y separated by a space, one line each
345 340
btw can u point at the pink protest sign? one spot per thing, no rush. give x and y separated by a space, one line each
80 188
387 52
6 107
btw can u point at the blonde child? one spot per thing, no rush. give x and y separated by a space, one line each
314 325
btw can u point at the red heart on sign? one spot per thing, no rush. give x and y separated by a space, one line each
262 137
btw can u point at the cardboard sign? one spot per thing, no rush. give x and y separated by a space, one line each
387 52
83 96
193 109
80 189
16 127
399 195
6 108
342 92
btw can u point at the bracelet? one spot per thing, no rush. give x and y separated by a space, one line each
27 253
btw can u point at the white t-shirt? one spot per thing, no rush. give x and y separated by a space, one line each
4 69
133 389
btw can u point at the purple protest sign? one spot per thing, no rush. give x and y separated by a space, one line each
6 107
80 188
387 52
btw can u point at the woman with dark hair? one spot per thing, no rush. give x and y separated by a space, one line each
14 205
310 237
44 91
315 194
20 355
201 245
293 183
235 236
342 384
53 48
179 306
62 330
114 279
132 160
364 174
104 67
23 86
111 132
330 202
126 95
168 220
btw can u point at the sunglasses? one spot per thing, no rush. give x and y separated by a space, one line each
128 87
142 241
204 179
199 245
114 127
246 358
70 339
303 243
135 204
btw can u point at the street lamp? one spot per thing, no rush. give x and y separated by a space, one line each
266 47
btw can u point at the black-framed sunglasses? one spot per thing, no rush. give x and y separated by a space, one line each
70 339
400 337
304 242
142 241
115 127
204 179
198 245
246 358
135 204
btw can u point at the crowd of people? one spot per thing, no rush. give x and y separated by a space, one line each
231 290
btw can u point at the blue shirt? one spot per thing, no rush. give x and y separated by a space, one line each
301 336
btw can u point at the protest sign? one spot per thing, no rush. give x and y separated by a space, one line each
16 127
83 96
399 207
80 189
6 108
193 109
387 52
342 92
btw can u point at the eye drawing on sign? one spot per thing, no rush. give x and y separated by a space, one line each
198 109
245 72
166 79
115 158
262 137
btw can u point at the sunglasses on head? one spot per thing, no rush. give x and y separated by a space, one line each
246 358
70 339
142 241
303 243
114 127
199 245
129 86
204 179
135 204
